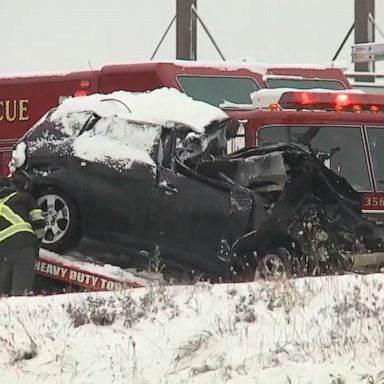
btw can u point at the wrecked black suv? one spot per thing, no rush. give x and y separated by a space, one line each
168 189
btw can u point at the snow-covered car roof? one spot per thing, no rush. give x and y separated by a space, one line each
160 106
129 127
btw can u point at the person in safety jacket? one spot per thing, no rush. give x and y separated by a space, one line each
21 230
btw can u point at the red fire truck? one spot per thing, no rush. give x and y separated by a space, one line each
24 99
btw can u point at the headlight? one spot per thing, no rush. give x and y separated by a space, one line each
18 157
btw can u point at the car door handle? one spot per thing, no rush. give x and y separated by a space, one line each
168 188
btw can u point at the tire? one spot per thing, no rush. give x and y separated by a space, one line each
275 264
63 228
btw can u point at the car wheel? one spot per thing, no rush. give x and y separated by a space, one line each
275 264
63 229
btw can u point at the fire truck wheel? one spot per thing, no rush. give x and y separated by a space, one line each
63 229
275 264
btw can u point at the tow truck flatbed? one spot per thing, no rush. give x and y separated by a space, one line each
90 275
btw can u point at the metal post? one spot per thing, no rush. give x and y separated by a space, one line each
364 33
343 42
378 29
208 33
186 30
163 37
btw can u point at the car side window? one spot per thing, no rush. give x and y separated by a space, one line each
113 139
376 147
340 147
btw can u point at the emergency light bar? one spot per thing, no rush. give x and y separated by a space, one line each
317 99
332 101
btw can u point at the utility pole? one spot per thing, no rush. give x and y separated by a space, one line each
364 33
186 35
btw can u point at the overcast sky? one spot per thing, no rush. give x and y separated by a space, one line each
66 35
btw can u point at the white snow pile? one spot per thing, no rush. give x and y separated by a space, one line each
315 330
160 106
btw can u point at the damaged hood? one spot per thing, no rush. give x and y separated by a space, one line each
288 161
306 206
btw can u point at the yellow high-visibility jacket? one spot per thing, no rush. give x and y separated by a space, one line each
21 220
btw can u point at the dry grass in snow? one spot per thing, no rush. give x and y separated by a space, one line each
319 330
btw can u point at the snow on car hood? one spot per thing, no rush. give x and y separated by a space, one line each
160 106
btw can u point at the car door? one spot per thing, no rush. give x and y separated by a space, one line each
190 217
118 180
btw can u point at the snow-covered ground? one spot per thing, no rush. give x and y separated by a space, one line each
319 330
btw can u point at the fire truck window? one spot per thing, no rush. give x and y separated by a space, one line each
275 134
216 90
341 148
304 83
376 145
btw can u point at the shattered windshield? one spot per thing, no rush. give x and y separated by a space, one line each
304 83
339 147
215 90
67 126
376 146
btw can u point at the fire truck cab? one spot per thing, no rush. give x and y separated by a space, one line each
345 129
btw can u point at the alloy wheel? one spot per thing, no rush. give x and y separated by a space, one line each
271 266
57 216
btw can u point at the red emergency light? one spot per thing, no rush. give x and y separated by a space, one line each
84 85
342 99
82 92
339 101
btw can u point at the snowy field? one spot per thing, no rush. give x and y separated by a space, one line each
319 330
